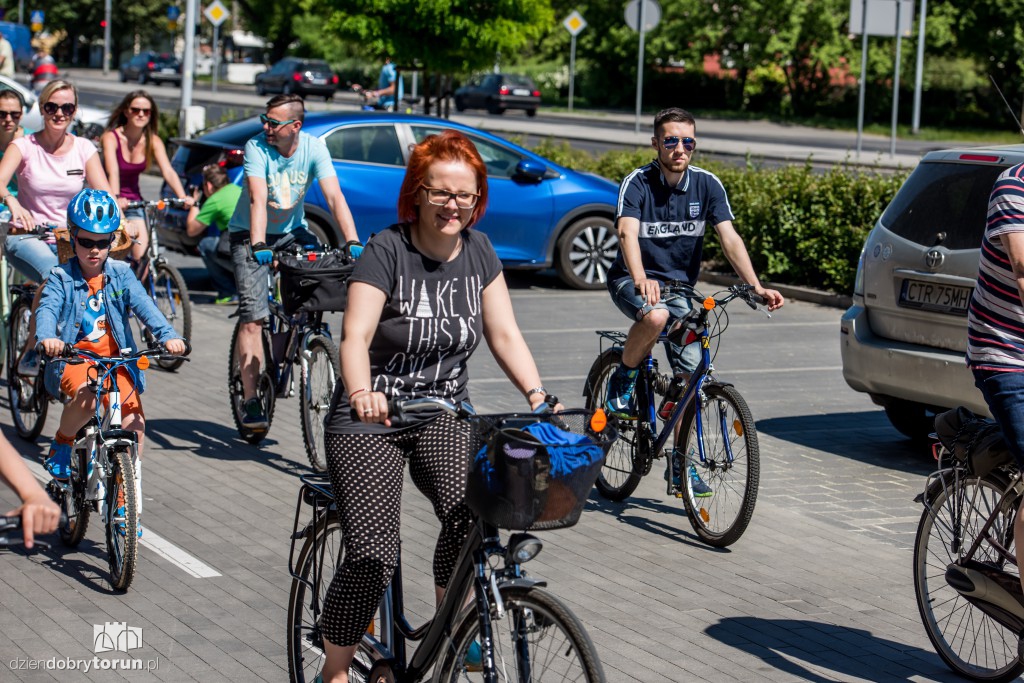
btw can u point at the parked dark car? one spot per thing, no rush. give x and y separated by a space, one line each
498 92
152 67
300 76
539 214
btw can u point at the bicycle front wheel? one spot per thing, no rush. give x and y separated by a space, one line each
316 390
122 519
322 548
622 471
538 640
971 643
27 397
719 492
170 293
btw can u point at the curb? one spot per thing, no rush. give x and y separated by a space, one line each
814 296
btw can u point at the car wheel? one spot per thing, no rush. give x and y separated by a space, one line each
322 233
460 104
586 251
911 419
260 90
142 78
531 112
495 108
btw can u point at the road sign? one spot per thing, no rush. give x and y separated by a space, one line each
881 17
574 23
37 17
216 12
652 14
173 12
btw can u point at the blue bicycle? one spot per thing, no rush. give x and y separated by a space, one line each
718 478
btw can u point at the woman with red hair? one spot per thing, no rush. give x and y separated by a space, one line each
422 296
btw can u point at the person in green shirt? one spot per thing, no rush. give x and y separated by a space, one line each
222 196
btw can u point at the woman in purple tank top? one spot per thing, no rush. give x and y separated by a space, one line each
130 144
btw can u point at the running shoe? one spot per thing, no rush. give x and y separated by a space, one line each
621 386
226 300
474 660
58 462
254 417
697 485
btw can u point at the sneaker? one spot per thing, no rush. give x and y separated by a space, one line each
620 390
700 489
226 300
28 366
58 462
254 417
673 466
474 660
119 526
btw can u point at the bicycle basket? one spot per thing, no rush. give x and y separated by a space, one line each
119 249
534 471
314 285
973 440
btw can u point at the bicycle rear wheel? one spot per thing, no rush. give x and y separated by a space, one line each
264 389
122 529
316 388
170 293
538 640
27 397
622 470
731 466
972 644
321 548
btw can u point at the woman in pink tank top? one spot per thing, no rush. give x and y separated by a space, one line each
130 143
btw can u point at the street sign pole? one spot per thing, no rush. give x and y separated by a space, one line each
21 12
106 37
896 83
188 69
863 73
639 64
915 125
216 54
572 68
574 23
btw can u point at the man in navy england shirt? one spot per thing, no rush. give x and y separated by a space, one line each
663 211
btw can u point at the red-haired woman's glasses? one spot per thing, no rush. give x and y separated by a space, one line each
673 141
140 111
67 109
439 197
13 115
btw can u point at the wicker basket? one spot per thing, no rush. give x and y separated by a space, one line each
65 250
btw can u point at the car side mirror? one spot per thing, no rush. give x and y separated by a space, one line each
530 170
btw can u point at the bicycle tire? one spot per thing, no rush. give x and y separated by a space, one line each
570 654
622 469
170 294
122 536
26 395
72 503
316 389
305 641
721 518
970 642
265 389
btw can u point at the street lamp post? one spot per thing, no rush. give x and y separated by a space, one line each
106 37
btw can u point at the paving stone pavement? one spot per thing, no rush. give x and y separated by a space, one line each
818 589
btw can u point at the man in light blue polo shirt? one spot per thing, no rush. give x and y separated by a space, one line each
280 165
389 92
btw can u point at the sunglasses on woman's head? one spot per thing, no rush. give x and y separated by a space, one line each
140 111
13 115
93 244
67 109
672 141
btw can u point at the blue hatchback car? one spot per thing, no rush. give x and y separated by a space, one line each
539 214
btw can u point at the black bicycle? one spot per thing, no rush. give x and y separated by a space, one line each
513 630
295 334
719 437
27 398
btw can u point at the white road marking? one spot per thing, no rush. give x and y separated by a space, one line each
156 543
726 374
766 324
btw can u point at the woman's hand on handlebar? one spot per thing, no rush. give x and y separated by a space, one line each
773 299
52 347
371 407
542 403
650 290
39 515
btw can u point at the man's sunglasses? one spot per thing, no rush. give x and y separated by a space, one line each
140 111
274 123
50 108
672 141
13 115
93 244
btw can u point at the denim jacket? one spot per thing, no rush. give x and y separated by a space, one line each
63 303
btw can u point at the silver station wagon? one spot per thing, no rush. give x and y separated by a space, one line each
904 339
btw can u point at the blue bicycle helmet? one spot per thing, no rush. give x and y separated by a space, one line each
94 211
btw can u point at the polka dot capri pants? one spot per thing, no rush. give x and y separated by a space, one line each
366 474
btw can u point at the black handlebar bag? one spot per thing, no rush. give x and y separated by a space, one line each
314 282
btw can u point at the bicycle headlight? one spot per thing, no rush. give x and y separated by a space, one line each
523 548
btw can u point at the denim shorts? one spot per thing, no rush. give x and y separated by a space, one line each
251 277
1004 394
625 297
135 214
31 256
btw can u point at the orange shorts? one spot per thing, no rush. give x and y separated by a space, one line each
75 376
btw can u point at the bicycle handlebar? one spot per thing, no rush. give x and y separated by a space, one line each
401 411
158 204
11 525
76 356
14 228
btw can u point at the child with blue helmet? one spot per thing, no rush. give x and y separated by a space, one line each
86 303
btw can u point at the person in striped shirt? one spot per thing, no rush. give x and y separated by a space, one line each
995 319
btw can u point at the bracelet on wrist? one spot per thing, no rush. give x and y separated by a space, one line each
353 393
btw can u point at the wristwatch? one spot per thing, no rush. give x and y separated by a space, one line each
536 390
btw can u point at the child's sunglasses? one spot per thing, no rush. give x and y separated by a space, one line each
94 244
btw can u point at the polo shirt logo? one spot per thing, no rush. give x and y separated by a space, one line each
694 209
672 229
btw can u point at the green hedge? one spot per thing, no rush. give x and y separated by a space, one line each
801 226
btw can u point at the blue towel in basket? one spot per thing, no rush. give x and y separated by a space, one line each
569 452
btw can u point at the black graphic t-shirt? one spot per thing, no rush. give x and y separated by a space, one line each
431 323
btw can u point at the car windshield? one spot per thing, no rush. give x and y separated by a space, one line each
938 196
315 66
